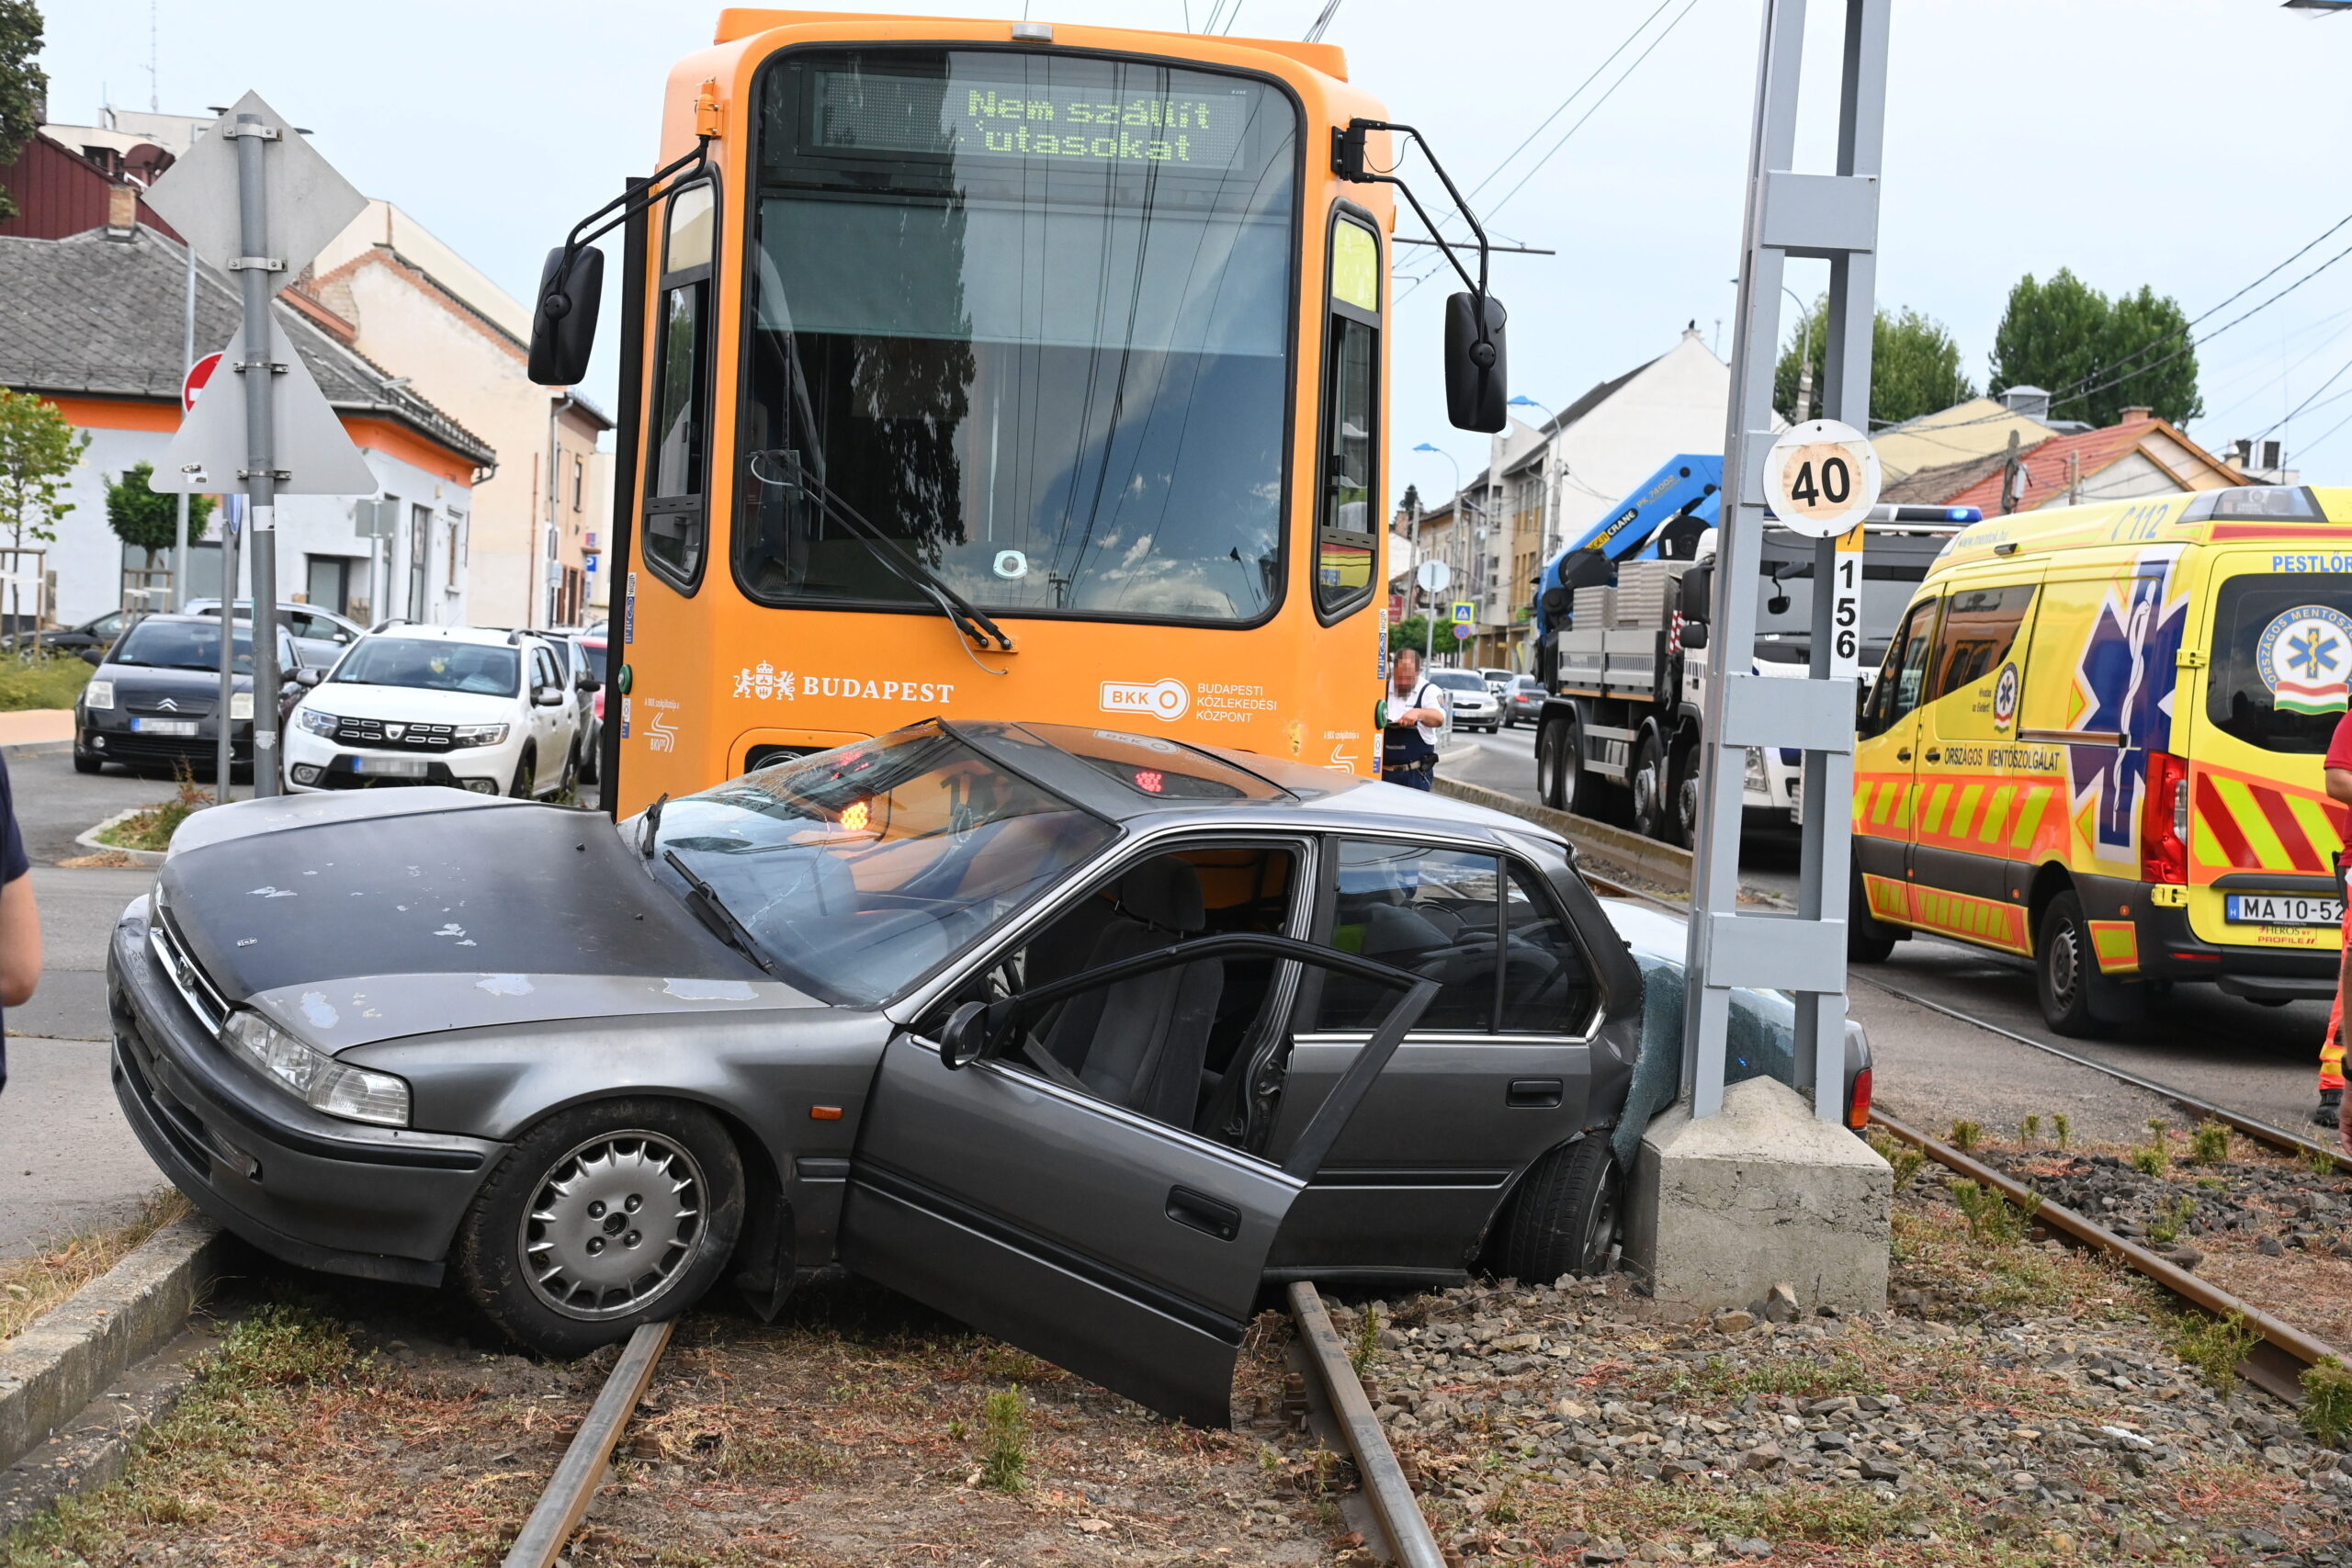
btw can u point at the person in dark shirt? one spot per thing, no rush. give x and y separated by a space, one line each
2331 1050
19 921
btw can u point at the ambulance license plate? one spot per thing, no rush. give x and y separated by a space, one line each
2282 909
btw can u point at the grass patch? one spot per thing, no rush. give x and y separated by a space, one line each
1933 1246
2327 1401
1649 1510
246 1397
1004 1445
153 829
1839 1372
52 682
31 1286
2214 1346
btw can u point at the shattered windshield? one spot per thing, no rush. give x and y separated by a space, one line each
854 872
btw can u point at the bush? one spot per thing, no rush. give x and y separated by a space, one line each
2062 1127
2327 1401
1005 1454
2214 1346
1991 1216
2210 1145
53 682
1966 1136
1904 1158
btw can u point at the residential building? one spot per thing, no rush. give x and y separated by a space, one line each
93 323
412 304
2140 455
1981 427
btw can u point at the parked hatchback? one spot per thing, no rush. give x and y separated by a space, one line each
1081 1036
321 634
1467 699
152 704
495 713
1524 699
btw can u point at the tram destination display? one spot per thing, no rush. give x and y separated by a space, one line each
874 112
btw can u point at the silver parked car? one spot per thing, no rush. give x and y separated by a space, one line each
1083 1037
1467 699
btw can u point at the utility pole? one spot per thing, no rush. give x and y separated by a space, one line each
179 528
260 473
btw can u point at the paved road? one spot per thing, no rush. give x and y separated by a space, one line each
2258 1060
67 1161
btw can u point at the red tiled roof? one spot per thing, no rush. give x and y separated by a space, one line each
2051 466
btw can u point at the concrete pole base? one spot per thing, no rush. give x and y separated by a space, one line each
1762 1194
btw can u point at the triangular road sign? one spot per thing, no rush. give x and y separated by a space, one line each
308 202
309 441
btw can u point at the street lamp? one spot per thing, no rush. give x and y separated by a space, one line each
1804 357
1429 619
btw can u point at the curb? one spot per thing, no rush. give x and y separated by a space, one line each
68 1357
89 839
36 749
1669 866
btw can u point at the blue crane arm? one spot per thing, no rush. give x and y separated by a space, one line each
1689 485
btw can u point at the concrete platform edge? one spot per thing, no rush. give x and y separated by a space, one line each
88 839
1669 864
50 1373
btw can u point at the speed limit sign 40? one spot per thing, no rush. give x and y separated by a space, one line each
1822 478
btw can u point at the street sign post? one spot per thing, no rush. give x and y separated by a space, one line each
1434 576
1465 614
258 201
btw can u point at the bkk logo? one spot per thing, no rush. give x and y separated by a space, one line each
1164 700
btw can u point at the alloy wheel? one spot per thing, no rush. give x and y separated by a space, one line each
612 1224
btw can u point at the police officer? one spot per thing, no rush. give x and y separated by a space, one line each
1416 715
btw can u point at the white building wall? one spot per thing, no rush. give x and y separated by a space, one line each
1678 403
88 558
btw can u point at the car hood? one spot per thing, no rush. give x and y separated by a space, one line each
350 919
409 704
139 681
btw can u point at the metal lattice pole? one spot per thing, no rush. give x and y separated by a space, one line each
1833 217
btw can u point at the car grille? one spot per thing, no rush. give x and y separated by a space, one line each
378 736
186 976
171 706
122 746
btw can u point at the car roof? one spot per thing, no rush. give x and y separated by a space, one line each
1301 795
480 637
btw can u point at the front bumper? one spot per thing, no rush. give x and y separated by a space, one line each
107 733
2169 948
311 1189
314 763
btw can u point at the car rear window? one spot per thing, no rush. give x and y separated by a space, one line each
2281 654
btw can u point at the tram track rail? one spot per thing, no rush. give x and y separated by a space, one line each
588 1461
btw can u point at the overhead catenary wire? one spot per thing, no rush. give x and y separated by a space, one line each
1315 31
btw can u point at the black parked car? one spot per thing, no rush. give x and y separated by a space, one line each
1080 1036
99 631
150 704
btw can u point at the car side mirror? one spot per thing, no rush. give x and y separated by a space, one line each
1476 372
306 677
342 637
563 327
548 696
94 656
964 1038
1694 636
586 680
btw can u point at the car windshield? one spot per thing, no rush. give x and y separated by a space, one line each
433 666
854 872
1029 313
182 645
1457 681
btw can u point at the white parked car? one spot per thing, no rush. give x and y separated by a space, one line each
498 713
1466 698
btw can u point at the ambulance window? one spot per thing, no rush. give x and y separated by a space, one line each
1905 674
2282 649
1980 627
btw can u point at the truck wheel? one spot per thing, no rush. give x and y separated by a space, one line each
1682 780
602 1217
1651 786
1551 786
1565 1216
2077 999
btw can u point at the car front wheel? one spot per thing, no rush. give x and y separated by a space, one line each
1565 1217
602 1218
527 771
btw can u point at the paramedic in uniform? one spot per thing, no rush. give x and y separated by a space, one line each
1408 746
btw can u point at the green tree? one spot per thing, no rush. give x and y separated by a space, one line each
2097 356
1411 504
1408 633
38 449
23 84
147 519
1915 366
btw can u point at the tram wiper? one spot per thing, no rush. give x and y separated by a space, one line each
792 477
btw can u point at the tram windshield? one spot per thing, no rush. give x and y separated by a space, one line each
1028 315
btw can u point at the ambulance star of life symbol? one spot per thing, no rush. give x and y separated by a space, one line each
2005 697
2304 656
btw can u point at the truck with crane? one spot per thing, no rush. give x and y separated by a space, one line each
1622 616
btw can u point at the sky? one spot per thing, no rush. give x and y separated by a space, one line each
2190 145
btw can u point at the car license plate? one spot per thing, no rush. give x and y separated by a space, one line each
163 726
2282 909
393 767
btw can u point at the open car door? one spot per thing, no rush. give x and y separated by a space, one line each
1005 1175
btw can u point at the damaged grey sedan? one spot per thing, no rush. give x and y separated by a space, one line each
1084 1038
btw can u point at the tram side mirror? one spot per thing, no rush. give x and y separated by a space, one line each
1476 372
563 325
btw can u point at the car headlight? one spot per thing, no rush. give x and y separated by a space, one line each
98 694
241 705
314 721
478 735
316 1078
1755 777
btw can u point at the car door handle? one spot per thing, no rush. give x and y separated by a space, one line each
1935 756
1533 1094
1904 755
1202 1212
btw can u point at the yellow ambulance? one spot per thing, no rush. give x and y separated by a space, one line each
2096 743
